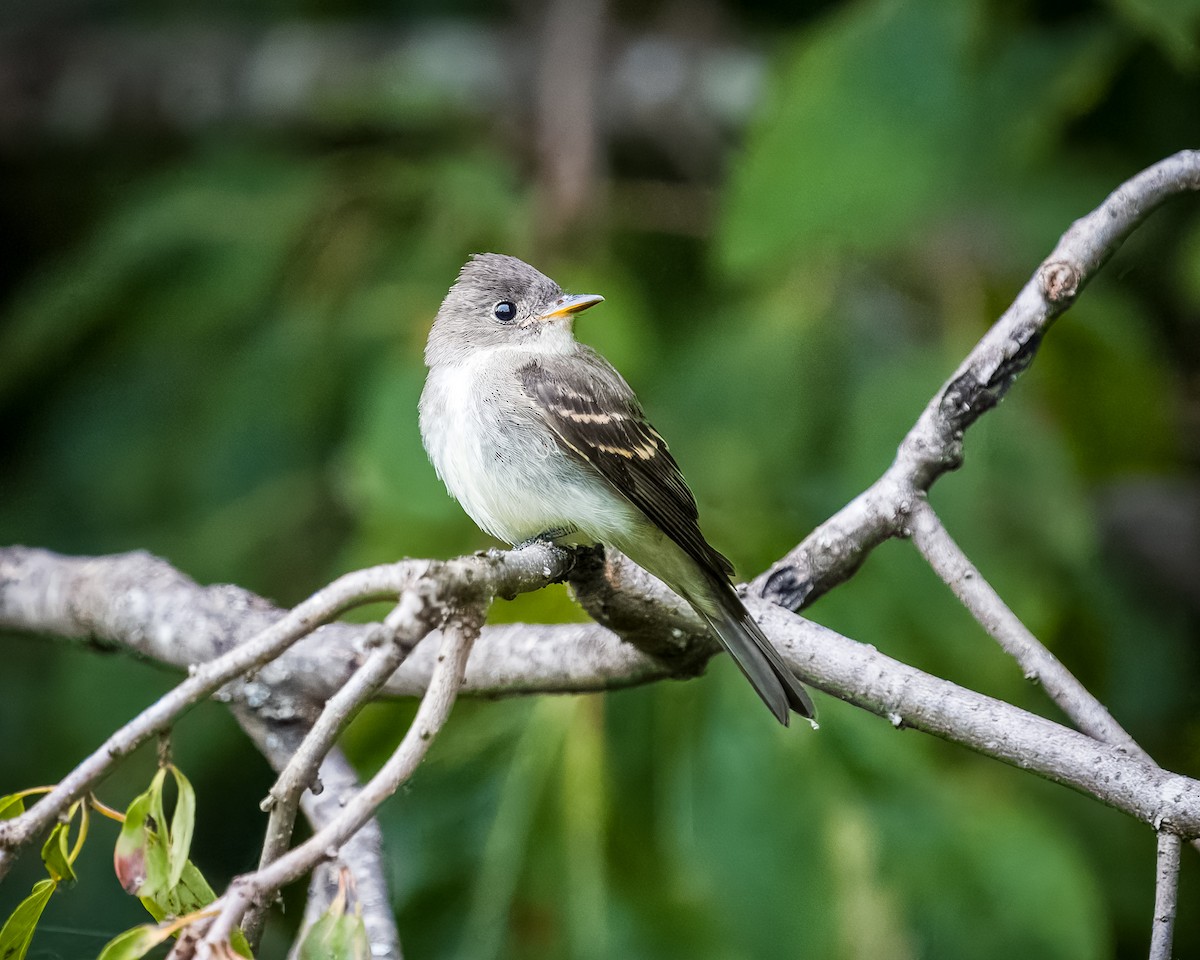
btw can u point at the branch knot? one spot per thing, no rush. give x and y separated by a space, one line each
1059 281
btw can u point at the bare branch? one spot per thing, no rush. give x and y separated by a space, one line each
984 604
204 680
990 611
934 446
907 697
262 885
438 586
579 657
1166 892
362 854
398 634
142 603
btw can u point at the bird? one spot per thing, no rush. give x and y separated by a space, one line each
538 437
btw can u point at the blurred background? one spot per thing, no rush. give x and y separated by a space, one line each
225 228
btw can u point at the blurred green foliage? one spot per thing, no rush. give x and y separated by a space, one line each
223 368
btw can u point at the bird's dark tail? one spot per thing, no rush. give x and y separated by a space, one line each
757 657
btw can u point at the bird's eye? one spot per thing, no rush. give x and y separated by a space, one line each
505 311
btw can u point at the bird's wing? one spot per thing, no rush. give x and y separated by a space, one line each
595 416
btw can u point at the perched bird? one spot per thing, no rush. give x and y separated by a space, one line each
538 437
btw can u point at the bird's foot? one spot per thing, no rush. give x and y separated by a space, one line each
546 536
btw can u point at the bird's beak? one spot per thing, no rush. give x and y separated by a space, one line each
567 306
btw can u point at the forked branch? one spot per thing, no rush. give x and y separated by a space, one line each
221 634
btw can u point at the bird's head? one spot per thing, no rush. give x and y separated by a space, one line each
500 301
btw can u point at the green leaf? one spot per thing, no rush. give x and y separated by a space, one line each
337 936
56 854
17 933
183 822
157 810
190 894
136 943
11 806
150 859
140 857
241 944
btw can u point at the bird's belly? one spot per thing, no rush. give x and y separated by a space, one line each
511 477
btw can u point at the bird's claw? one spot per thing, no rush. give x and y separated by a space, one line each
546 536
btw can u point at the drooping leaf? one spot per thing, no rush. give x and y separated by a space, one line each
192 893
137 942
11 806
183 822
56 855
140 857
157 818
17 932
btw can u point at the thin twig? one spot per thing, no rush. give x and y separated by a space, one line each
984 604
949 562
431 715
399 632
1166 892
362 854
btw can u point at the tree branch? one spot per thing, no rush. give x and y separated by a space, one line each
984 604
934 446
1074 699
263 884
855 672
1166 892
142 603
362 854
436 586
907 697
395 638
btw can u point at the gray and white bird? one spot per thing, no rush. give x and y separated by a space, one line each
539 437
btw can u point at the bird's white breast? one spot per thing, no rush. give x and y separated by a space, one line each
500 461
